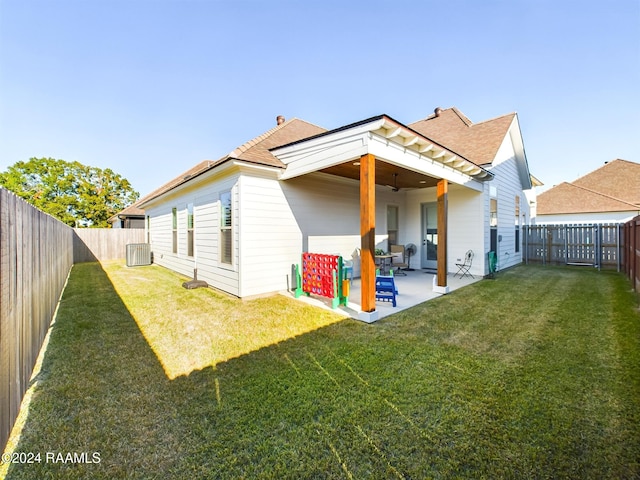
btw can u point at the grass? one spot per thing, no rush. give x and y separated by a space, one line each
533 375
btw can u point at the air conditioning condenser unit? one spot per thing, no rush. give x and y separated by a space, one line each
138 254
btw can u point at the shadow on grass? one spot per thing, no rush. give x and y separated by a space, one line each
189 330
449 389
102 404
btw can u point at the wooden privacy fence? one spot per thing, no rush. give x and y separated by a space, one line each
631 260
97 244
595 245
36 254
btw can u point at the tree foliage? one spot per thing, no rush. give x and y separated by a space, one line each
76 194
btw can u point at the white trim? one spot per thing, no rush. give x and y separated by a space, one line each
389 142
401 156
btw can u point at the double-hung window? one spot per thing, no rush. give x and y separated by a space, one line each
174 233
226 228
392 224
517 223
190 224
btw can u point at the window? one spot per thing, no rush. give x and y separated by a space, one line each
392 224
174 215
493 213
226 231
190 230
517 219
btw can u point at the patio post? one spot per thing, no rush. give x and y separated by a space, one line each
367 235
442 193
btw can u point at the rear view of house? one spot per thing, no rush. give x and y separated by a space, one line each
443 184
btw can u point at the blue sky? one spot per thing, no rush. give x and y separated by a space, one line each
149 88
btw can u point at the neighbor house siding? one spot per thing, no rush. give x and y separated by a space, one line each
587 218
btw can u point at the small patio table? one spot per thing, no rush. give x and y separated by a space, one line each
384 261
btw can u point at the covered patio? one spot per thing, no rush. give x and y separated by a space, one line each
413 288
379 151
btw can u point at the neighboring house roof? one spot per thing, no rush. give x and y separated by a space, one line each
131 211
568 198
478 142
614 187
254 151
619 179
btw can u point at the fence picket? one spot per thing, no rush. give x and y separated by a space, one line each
36 255
596 245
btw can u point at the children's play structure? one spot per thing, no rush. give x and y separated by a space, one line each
327 276
322 275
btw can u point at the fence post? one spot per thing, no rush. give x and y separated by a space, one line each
598 245
566 244
618 249
526 245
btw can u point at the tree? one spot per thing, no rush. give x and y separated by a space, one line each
76 194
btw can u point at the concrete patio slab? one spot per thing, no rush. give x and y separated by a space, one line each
414 288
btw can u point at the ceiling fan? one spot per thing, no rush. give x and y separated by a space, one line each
395 186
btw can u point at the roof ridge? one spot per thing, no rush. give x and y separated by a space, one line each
463 118
466 120
620 160
512 114
254 141
177 180
247 145
600 194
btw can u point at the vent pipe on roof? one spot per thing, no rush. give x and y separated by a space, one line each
437 111
279 119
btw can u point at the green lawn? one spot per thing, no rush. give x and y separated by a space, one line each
535 374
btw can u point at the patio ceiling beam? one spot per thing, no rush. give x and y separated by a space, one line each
409 158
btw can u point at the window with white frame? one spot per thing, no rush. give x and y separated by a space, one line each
174 236
517 220
392 224
190 224
493 212
226 228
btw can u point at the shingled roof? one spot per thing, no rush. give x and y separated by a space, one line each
479 142
619 179
254 151
615 187
570 198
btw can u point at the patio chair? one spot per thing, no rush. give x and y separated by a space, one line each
463 268
386 289
398 262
